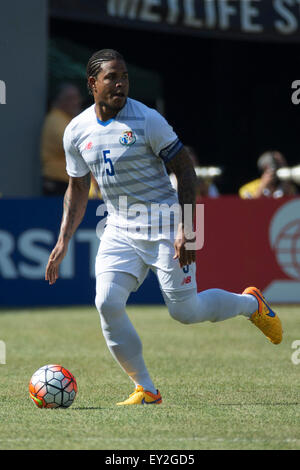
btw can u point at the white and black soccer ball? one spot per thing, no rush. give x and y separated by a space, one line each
53 386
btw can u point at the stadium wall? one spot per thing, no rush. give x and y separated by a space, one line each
23 68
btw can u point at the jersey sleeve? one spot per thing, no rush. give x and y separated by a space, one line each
161 136
75 164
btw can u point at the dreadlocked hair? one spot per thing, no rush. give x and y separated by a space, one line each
95 63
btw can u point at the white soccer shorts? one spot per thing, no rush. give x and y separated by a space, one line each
120 252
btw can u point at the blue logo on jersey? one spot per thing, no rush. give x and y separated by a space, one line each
127 138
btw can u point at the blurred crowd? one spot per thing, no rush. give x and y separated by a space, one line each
274 179
65 106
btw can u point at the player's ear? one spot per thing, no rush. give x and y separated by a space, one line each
92 84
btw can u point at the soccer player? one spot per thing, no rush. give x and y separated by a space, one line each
127 146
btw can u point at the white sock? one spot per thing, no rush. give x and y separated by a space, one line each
252 307
210 305
137 371
118 331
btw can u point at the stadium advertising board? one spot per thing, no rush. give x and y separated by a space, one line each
252 242
248 19
255 242
28 232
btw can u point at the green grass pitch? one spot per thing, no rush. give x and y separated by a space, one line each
224 386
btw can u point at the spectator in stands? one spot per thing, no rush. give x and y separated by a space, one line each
205 186
268 185
66 105
95 192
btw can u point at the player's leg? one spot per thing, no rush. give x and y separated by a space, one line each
179 290
217 305
119 271
187 306
113 289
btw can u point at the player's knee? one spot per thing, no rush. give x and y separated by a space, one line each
109 307
110 314
179 313
181 305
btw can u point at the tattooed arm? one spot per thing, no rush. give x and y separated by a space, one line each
183 168
75 202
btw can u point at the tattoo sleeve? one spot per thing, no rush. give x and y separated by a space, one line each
182 166
75 202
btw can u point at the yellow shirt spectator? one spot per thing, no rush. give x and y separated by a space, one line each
53 155
94 192
249 190
268 185
65 107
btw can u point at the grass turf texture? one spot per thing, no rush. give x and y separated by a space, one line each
224 386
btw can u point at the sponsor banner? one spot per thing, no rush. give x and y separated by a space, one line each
28 231
245 243
252 242
234 19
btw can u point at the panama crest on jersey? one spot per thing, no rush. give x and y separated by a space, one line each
127 138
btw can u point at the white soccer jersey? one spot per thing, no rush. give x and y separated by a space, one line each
126 155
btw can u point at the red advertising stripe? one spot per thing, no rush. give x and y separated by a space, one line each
237 250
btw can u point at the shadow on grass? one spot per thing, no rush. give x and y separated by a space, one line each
85 408
257 404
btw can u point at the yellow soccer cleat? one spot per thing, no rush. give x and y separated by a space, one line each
264 317
142 397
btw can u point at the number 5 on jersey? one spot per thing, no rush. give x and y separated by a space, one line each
109 171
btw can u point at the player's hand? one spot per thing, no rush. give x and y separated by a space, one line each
185 256
55 258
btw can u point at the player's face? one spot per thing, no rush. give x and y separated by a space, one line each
111 85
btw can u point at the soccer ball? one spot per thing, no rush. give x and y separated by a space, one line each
52 386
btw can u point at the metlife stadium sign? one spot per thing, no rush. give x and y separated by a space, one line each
233 19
